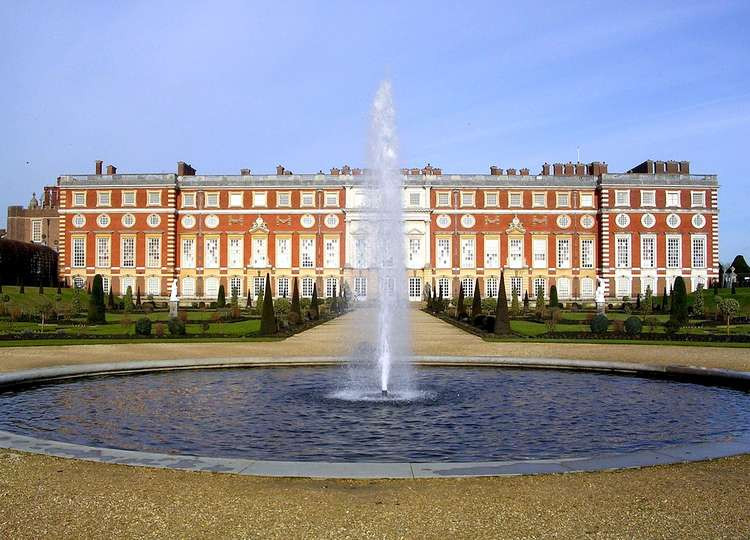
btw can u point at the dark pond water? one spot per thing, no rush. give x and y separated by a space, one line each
462 414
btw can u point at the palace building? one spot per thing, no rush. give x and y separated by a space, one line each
566 226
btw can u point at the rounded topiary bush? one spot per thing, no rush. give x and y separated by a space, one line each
143 327
633 326
599 324
176 327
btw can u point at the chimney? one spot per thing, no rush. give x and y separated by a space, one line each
184 169
356 171
580 169
346 170
524 172
568 169
659 167
288 173
99 167
545 169
279 170
437 171
510 172
684 167
494 171
415 171
595 168
335 171
673 167
604 167
245 172
111 170
557 169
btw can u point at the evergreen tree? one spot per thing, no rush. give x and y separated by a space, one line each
268 317
439 305
679 302
460 308
699 305
514 304
111 299
128 300
638 301
138 296
221 300
295 312
525 301
734 287
502 318
96 302
476 303
665 300
539 297
250 299
59 289
76 303
648 305
314 307
259 301
553 301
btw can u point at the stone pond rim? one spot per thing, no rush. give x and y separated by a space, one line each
669 455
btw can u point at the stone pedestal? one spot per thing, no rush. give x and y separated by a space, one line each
600 308
173 305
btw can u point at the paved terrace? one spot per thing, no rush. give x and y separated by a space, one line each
44 496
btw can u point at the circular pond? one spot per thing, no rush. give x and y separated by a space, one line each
305 414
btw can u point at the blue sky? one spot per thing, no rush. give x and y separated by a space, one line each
228 85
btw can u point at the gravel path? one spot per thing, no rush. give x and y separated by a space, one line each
51 497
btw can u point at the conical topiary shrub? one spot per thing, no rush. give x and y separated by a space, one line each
679 301
476 302
221 299
96 302
553 301
295 311
460 308
268 317
314 307
502 318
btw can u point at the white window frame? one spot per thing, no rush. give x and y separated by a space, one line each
103 251
467 283
187 253
622 198
415 288
564 253
104 198
211 289
211 252
331 286
260 199
443 253
701 203
360 287
78 252
562 199
188 201
124 195
153 198
564 288
539 257
467 199
307 199
535 202
79 199
468 252
491 199
283 252
646 194
283 195
237 199
307 252
36 230
414 252
439 196
235 286
588 253
259 250
188 287
673 204
331 199
515 252
624 258
698 256
648 243
153 261
491 287
235 252
582 203
331 252
445 283
673 260
282 287
208 199
127 251
153 285
492 253
587 287
307 286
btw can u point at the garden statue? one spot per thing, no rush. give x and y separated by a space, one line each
599 298
174 301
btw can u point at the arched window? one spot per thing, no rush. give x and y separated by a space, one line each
212 287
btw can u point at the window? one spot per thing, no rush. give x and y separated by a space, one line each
79 198
443 198
212 287
308 284
622 286
443 253
539 200
415 288
212 200
563 288
102 220
468 259
260 199
587 200
673 251
444 287
443 221
188 287
539 251
648 220
699 251
516 286
259 284
467 284
307 252
490 198
587 221
284 199
127 198
467 198
211 253
307 221
307 198
673 221
331 221
128 220
236 200
153 220
36 230
127 282
648 251
540 286
563 253
332 288
153 251
331 253
515 200
127 251
78 250
415 198
490 287
331 198
648 198
235 286
587 288
104 198
563 199
515 252
648 283
360 253
622 197
105 284
563 221
622 220
79 220
235 253
673 198
260 251
698 199
414 253
102 251
360 287
587 253
154 198
188 253
153 286
491 253
188 201
468 221
282 287
622 251
283 252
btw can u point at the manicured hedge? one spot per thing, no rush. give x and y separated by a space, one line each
27 264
